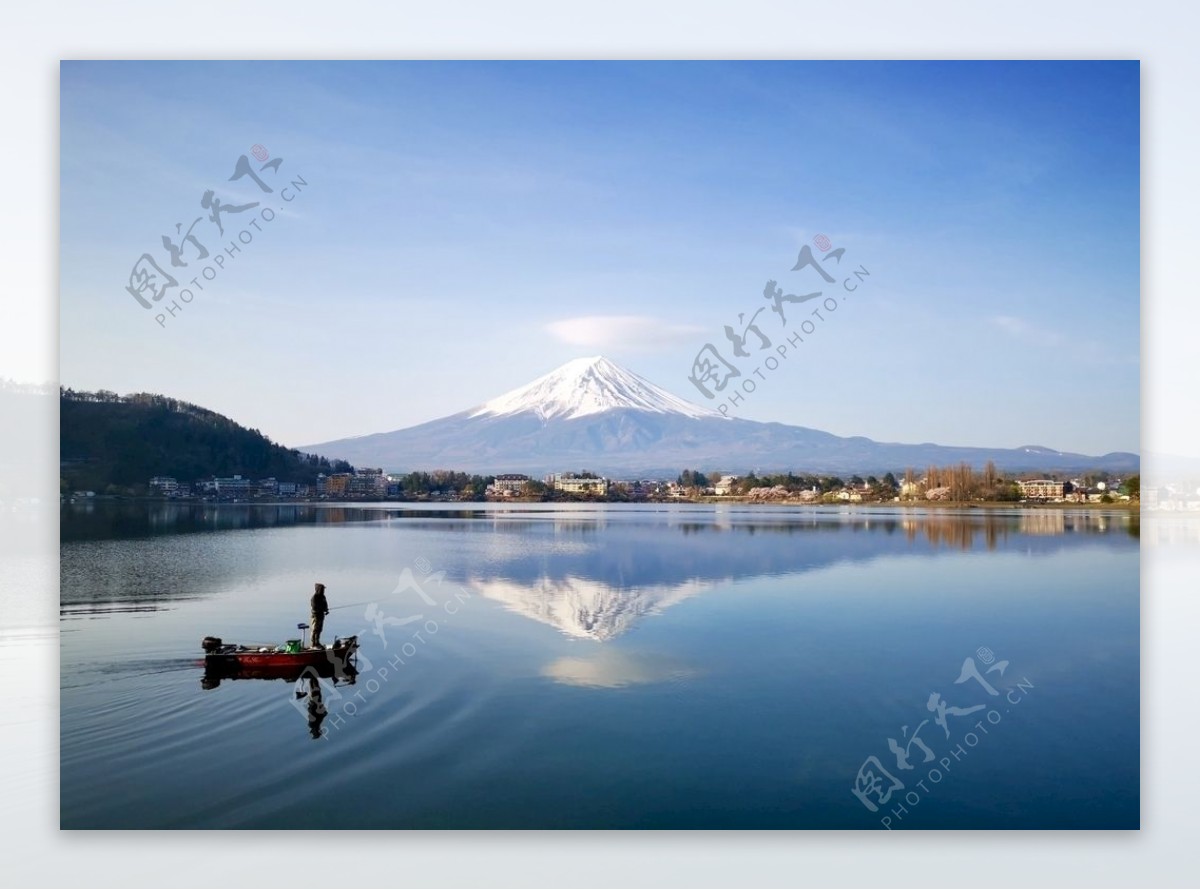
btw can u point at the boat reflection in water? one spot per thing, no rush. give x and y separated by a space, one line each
338 665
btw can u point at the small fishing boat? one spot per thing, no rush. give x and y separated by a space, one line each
290 655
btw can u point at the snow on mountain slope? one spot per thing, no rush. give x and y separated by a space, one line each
589 386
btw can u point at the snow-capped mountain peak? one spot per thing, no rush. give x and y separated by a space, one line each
589 386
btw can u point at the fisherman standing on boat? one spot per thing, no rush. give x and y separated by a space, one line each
320 608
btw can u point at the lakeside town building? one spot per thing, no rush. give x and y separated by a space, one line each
1041 489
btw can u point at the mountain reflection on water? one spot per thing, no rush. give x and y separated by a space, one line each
602 593
585 584
584 608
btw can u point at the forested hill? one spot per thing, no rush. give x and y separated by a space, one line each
122 441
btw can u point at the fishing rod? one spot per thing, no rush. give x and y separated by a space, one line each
352 605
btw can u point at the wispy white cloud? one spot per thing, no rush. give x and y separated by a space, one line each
1034 335
630 332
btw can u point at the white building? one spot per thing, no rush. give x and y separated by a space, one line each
509 484
569 482
1043 489
724 486
232 486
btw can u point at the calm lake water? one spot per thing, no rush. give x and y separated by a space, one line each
592 666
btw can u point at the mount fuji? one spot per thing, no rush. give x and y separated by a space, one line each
589 386
593 414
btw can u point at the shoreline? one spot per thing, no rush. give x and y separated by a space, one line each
1131 506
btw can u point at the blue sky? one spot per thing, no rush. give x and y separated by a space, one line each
466 227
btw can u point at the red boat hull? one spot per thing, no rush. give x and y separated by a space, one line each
234 657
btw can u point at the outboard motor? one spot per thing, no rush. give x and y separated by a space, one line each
211 644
